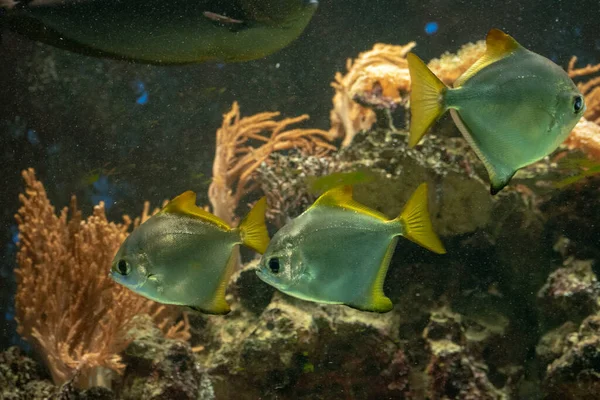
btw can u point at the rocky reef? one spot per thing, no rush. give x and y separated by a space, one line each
511 312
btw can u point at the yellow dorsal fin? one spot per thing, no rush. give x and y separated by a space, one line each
185 204
498 46
417 224
253 229
341 196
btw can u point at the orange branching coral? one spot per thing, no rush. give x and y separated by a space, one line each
67 307
449 67
590 89
236 159
586 137
382 72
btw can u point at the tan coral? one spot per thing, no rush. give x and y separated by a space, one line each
450 66
383 68
586 134
236 158
66 305
586 137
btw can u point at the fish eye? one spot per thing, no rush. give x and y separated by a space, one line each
577 104
123 267
274 265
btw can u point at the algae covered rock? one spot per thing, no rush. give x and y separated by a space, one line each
296 349
159 368
454 370
576 373
571 292
459 199
553 342
21 377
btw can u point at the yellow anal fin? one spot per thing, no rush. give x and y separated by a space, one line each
218 305
185 204
376 300
426 98
499 174
341 196
498 46
416 222
253 229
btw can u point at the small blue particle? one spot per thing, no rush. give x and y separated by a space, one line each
141 92
431 28
142 99
32 137
220 65
102 192
15 234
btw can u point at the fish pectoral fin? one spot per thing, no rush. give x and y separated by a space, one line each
375 300
498 46
222 19
185 204
426 98
253 230
416 222
341 196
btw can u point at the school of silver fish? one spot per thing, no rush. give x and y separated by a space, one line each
513 107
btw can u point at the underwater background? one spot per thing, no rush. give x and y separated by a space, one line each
512 311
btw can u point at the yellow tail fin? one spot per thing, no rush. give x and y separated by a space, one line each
417 224
426 98
253 229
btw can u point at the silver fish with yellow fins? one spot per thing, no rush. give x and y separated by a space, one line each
513 106
184 255
338 251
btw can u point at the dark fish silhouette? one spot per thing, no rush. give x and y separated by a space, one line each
162 31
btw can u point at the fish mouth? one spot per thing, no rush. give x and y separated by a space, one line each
263 276
260 274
